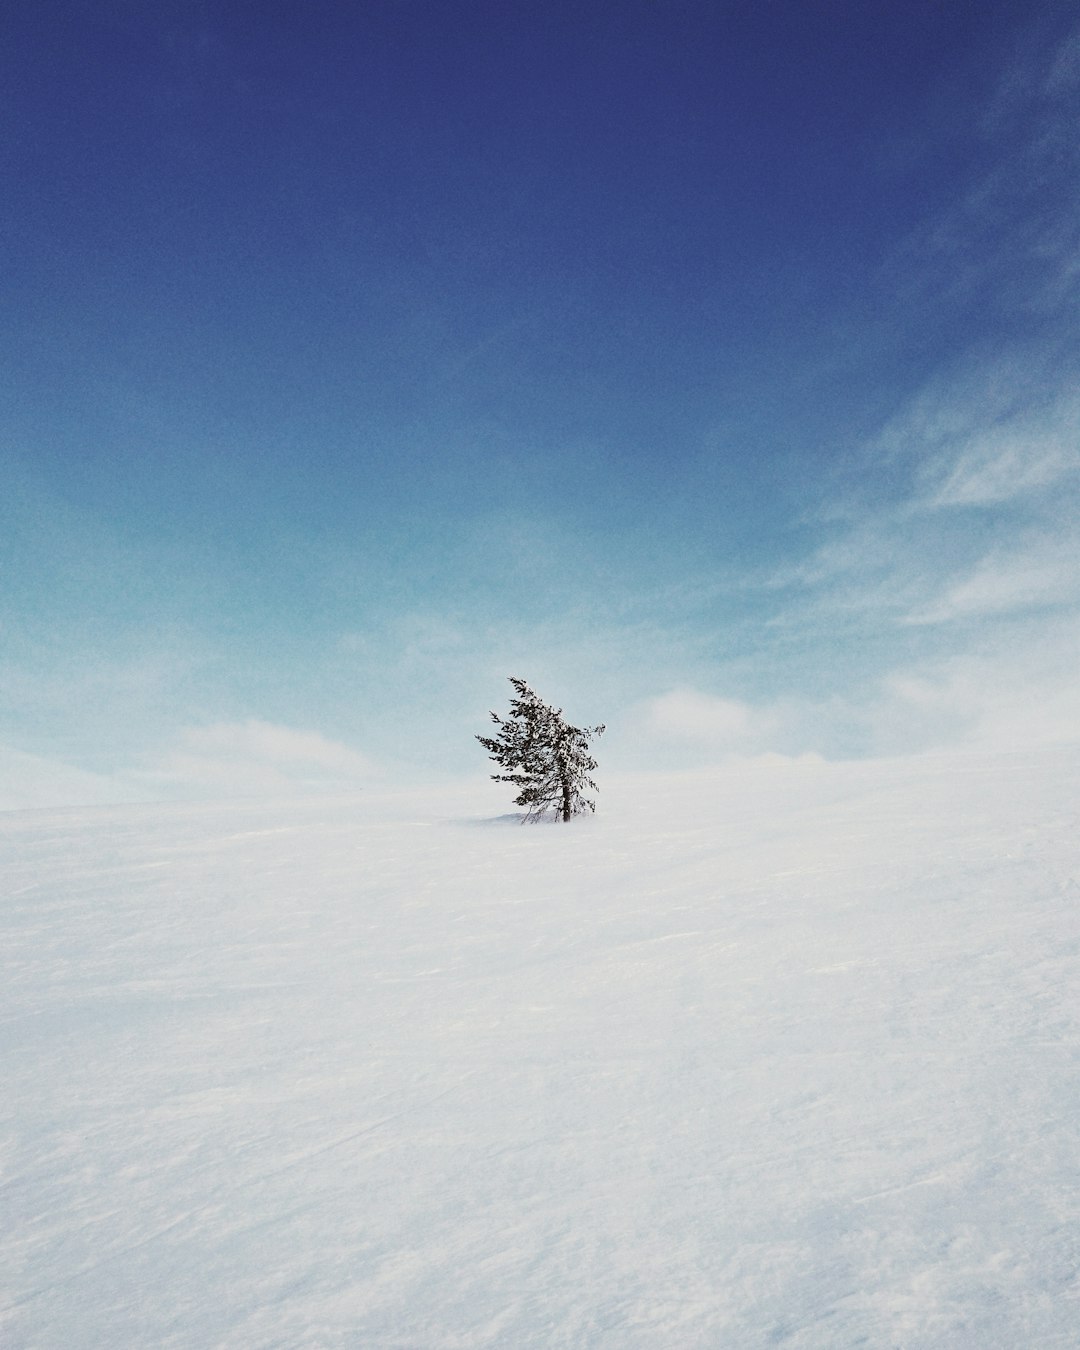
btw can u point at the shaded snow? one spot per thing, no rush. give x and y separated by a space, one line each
785 1055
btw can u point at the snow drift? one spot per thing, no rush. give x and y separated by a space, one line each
779 1055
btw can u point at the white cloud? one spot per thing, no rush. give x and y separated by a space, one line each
255 758
34 781
251 758
720 721
1009 695
904 713
1010 686
687 725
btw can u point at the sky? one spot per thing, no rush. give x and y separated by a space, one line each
713 367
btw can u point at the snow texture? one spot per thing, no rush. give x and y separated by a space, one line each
780 1055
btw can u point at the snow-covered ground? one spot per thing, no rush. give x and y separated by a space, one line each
776 1055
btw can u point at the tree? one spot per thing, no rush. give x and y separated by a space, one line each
543 755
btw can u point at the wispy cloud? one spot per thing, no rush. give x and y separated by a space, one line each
1007 462
1020 580
984 524
959 513
1009 235
988 433
965 585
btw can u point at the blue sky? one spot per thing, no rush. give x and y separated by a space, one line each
712 366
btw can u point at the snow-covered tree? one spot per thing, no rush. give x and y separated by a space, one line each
543 755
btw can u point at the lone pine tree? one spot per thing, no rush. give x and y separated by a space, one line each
543 755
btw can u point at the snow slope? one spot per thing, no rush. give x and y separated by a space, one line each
781 1055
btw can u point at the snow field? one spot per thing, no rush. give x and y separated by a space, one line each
784 1054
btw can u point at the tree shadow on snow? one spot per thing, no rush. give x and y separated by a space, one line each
519 818
512 818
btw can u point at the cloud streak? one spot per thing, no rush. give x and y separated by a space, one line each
940 604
